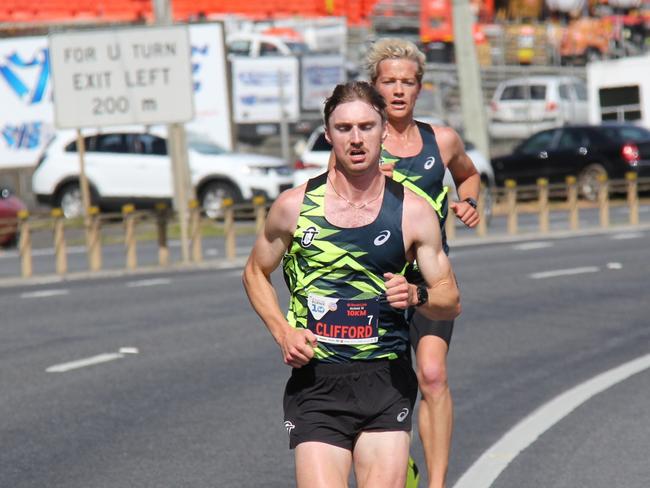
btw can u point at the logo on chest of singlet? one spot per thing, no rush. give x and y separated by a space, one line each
428 164
308 236
383 236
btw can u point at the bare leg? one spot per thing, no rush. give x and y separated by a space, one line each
320 465
380 459
436 408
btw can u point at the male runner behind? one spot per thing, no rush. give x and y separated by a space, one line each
343 238
416 155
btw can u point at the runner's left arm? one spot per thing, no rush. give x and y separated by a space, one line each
463 171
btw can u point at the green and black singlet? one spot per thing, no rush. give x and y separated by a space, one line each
423 174
335 277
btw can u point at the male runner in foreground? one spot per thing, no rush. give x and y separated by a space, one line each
344 239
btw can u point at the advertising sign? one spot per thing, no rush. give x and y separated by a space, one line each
319 75
212 115
263 88
26 100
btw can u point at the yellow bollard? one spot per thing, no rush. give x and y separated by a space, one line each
195 230
633 196
481 228
450 223
259 202
129 236
572 202
25 245
542 195
229 227
59 242
511 202
94 239
161 225
603 200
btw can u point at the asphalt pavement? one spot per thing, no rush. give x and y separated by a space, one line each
169 379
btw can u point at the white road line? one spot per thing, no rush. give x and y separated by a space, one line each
528 246
614 265
44 293
493 461
82 363
151 282
627 235
564 272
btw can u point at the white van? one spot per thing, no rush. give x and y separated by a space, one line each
255 45
522 106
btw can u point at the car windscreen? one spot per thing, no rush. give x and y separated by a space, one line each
203 145
629 133
521 92
297 47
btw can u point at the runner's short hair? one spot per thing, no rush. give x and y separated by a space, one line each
352 91
393 48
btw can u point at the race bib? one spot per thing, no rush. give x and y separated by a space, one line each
343 321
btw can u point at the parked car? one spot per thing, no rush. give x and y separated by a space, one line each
255 45
522 106
10 205
584 151
132 166
315 156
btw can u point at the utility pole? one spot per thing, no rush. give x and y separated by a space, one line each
177 149
469 77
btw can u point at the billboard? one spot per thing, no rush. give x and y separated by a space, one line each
263 88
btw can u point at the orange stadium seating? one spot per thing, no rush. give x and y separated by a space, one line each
24 11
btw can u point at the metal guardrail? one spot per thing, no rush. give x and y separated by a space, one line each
511 202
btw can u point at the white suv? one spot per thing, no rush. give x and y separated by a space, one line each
522 106
314 157
132 166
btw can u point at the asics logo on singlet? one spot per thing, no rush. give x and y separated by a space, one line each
382 237
289 426
308 236
402 415
428 164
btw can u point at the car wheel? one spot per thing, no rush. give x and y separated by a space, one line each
588 181
70 201
213 195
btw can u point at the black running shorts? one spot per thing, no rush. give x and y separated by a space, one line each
421 326
334 403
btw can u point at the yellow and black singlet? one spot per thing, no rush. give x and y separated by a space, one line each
335 276
423 174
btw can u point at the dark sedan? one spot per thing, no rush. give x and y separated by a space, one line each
584 151
10 205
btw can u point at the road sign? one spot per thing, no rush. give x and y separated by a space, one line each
121 76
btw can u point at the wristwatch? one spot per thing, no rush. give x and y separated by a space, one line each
472 202
423 295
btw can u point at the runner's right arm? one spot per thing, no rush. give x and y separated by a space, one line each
296 344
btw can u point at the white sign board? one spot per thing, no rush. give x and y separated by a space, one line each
121 76
319 75
210 75
263 87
